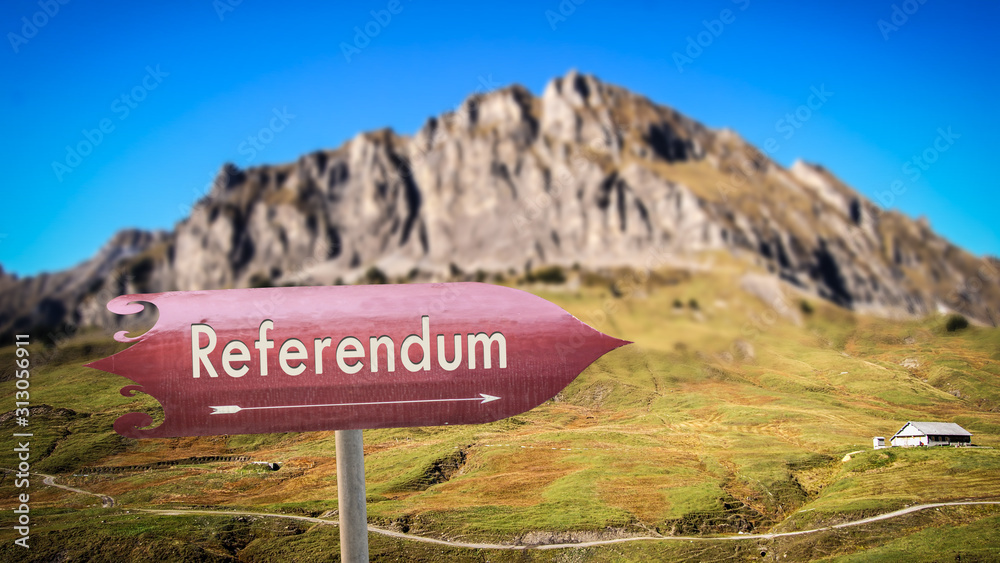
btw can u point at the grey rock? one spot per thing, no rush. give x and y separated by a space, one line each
587 173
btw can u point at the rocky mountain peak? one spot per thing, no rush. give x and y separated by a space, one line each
587 173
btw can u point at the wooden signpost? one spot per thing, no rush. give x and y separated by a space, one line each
347 358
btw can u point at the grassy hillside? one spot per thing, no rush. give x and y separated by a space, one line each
730 413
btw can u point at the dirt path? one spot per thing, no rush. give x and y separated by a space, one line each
50 480
411 537
106 501
109 502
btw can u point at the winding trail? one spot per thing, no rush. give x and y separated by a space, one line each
109 502
106 501
411 537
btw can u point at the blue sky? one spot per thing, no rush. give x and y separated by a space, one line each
180 86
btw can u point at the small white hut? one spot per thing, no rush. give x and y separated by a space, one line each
931 434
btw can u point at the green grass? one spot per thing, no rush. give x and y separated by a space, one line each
117 535
677 432
975 541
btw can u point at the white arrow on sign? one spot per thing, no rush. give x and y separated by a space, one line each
230 409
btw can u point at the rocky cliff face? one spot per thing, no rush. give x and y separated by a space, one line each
44 305
587 173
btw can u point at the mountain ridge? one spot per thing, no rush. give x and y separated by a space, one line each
586 173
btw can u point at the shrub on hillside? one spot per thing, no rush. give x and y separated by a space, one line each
550 274
805 307
375 276
260 280
956 322
615 292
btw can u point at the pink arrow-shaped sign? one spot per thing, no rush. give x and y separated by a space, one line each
245 361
